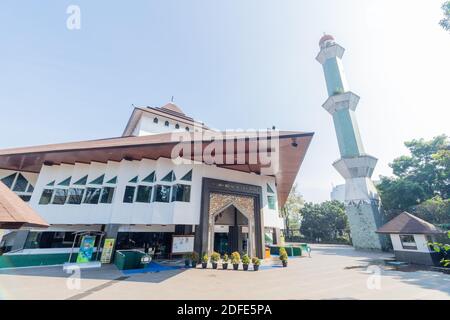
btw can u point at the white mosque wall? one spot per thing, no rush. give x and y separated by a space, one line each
155 213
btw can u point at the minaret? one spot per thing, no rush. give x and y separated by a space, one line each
363 206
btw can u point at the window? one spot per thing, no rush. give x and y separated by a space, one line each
134 180
75 196
155 120
46 196
408 242
166 123
112 181
60 196
144 194
177 126
92 195
129 194
181 192
269 189
30 188
150 178
187 176
65 182
271 202
51 184
47 240
9 180
187 128
25 198
99 180
169 177
21 183
162 193
107 195
82 181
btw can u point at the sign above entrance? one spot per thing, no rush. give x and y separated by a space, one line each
182 244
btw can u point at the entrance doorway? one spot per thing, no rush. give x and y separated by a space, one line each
230 231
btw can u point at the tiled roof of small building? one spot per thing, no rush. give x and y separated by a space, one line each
406 223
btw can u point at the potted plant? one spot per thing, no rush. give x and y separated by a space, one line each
245 261
225 260
256 263
284 257
194 259
235 260
187 259
205 260
215 257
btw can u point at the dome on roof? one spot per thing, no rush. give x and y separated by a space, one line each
173 107
326 37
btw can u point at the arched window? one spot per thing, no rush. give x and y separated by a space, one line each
155 120
177 126
187 128
166 123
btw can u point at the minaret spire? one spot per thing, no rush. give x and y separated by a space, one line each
363 205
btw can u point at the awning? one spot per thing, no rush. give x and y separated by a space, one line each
15 213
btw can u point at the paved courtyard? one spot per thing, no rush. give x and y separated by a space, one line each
333 272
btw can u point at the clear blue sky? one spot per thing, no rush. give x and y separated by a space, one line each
232 64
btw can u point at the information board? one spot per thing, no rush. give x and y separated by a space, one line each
182 244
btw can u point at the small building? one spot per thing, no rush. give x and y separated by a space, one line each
410 236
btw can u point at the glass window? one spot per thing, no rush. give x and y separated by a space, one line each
155 120
187 128
166 123
92 195
181 192
65 182
144 194
271 202
169 177
9 180
30 188
47 240
187 176
52 183
113 180
107 195
21 183
269 189
82 181
25 198
150 178
46 196
60 196
99 180
75 195
128 197
177 126
162 193
408 242
134 180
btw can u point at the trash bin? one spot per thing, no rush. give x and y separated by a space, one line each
128 259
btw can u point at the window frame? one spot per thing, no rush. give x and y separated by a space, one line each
408 245
155 196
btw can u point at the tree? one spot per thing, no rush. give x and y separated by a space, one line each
326 221
421 181
291 211
445 22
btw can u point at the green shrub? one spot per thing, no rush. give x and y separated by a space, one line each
225 258
215 257
283 254
194 256
235 258
245 259
256 261
205 258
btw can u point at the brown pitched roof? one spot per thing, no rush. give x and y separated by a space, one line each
292 149
406 223
15 213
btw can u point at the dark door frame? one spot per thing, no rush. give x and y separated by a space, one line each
232 188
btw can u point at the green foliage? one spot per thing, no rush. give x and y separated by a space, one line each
444 249
205 258
225 258
326 221
194 256
256 261
291 211
235 258
445 22
245 259
215 257
283 254
421 182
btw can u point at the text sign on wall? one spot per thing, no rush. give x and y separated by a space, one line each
182 244
107 251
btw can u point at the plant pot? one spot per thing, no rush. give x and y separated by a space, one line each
225 266
245 267
214 265
285 263
256 267
235 266
204 265
194 264
187 263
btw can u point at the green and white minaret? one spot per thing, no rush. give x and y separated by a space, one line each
362 202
